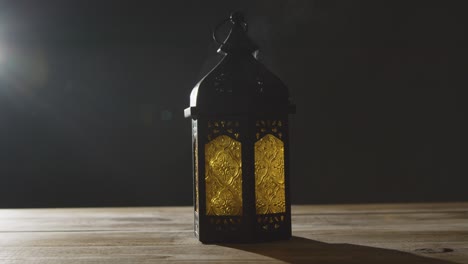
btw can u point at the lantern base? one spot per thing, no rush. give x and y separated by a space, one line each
230 229
238 240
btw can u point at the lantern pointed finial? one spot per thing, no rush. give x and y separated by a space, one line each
237 41
237 17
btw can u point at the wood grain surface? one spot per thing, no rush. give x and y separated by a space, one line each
375 233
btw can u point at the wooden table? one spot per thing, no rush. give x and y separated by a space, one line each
390 233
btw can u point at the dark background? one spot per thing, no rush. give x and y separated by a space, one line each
92 96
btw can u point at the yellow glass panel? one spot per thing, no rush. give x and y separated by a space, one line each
269 175
223 176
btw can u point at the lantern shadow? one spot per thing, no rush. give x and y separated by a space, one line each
303 250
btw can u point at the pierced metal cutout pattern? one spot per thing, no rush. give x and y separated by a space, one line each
225 223
269 223
269 175
223 127
223 177
274 127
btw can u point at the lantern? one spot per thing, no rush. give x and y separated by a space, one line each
239 115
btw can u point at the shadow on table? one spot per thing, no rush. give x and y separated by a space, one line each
303 250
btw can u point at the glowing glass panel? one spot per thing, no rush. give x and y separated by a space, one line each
269 175
223 176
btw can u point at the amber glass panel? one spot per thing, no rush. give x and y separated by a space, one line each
269 175
223 176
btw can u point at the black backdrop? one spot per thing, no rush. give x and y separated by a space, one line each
92 96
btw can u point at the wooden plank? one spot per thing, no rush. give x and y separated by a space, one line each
376 233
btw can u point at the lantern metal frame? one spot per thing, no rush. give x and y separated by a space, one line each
220 108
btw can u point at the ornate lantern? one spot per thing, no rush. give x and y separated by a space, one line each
239 115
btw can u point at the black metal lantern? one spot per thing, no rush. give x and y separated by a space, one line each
240 134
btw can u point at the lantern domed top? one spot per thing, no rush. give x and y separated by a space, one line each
239 84
237 40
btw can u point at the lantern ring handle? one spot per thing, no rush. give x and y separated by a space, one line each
234 21
215 38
